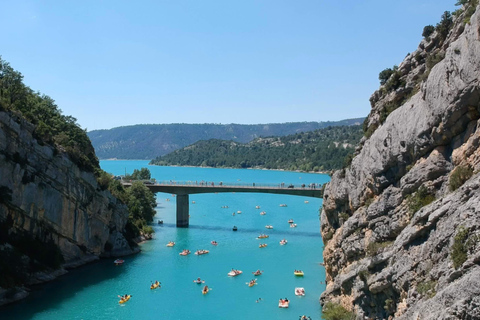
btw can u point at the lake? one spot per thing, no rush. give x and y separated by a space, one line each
91 292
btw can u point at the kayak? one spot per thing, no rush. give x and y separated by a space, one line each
262 245
170 244
205 290
283 242
154 285
262 236
257 273
184 252
124 300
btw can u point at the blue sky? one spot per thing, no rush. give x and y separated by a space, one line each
117 63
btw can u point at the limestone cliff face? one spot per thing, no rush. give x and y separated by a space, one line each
49 197
392 220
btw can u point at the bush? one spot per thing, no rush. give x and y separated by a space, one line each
374 247
334 311
459 248
459 176
427 31
445 24
385 74
427 288
421 198
433 59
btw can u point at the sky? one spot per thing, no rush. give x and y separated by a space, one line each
117 63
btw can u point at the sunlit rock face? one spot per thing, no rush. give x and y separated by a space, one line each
391 219
47 196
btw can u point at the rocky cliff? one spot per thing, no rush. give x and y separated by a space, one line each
46 198
401 224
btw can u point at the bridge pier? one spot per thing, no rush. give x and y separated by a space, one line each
182 210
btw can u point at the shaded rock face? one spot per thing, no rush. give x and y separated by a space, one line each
394 256
50 198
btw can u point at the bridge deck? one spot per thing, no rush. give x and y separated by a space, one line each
181 188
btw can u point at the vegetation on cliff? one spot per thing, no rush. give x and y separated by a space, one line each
51 126
319 150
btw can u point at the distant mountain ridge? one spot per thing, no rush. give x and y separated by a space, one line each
320 150
148 141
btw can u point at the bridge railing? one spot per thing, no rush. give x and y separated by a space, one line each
220 184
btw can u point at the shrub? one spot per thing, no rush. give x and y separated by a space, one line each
433 59
363 275
427 31
458 177
389 306
344 216
421 198
334 311
374 247
427 288
459 249
328 236
445 24
385 74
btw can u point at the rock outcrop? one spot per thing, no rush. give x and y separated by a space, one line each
401 232
45 196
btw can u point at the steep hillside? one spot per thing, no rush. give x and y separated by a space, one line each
150 141
319 150
53 213
401 224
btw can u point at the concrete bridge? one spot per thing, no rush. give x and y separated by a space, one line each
183 189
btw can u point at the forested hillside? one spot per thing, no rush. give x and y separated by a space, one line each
152 140
319 150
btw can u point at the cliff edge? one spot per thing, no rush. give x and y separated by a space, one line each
53 215
401 224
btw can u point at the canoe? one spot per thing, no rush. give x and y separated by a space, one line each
299 291
257 273
262 245
205 290
251 283
170 244
200 252
155 285
262 236
124 300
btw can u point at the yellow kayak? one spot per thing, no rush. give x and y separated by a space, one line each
298 273
155 285
123 300
205 290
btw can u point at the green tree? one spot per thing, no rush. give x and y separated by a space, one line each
445 24
427 31
385 74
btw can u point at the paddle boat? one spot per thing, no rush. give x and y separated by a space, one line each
239 211
124 298
184 252
234 272
205 290
299 291
200 252
155 285
170 244
252 282
304 317
257 207
234 228
269 226
293 225
283 205
262 236
283 303
290 221
257 273
262 245
118 262
283 242
263 213
214 242
298 273
306 201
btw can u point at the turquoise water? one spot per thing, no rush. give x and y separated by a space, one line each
91 291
